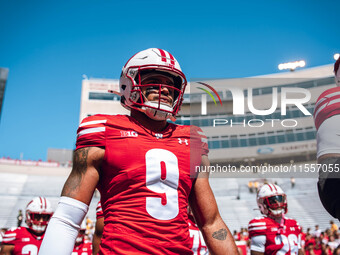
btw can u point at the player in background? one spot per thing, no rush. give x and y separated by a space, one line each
198 245
82 246
98 230
274 233
327 123
143 167
27 240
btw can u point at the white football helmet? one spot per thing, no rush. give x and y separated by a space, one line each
272 200
337 72
38 214
152 60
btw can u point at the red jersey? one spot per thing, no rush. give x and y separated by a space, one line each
24 241
268 237
198 245
327 105
99 211
145 182
84 248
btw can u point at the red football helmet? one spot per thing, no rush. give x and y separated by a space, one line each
272 200
152 61
38 214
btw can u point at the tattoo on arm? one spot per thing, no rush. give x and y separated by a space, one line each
78 170
220 234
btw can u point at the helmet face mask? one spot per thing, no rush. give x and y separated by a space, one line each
152 62
38 214
161 89
276 205
272 201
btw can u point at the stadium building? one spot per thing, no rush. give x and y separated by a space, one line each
95 98
285 135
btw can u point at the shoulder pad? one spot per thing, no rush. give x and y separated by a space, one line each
257 226
91 131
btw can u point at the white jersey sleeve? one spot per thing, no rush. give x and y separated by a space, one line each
258 243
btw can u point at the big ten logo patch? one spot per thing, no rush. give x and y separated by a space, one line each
128 134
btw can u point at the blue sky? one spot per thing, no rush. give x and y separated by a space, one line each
49 45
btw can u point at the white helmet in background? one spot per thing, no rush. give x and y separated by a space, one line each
38 214
272 201
152 60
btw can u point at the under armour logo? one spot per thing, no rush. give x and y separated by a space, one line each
159 136
185 141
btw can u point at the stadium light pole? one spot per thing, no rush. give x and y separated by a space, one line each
292 65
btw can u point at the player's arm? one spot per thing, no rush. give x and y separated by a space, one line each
215 232
6 249
73 205
98 232
84 176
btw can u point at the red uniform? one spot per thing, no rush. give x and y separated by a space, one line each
270 238
327 105
84 248
99 211
24 241
145 182
198 245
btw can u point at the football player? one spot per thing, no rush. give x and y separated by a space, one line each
274 233
327 122
98 231
82 246
141 164
198 245
22 240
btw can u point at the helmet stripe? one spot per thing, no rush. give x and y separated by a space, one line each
45 203
163 55
172 61
271 189
275 187
41 203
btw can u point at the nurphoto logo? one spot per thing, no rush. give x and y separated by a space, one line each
280 99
